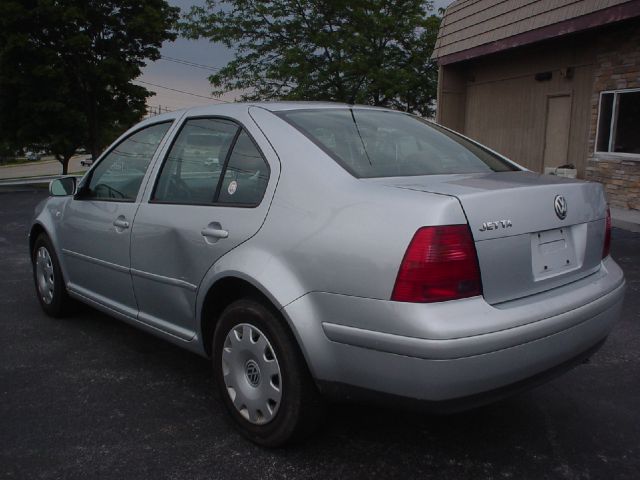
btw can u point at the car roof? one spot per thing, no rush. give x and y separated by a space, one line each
231 108
280 106
214 108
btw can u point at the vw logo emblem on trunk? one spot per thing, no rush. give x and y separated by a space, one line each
560 205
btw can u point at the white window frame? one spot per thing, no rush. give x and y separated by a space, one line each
612 125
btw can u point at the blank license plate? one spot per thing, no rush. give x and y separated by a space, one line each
552 253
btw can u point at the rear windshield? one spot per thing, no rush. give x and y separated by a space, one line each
375 143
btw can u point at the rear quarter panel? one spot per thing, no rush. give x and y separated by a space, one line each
326 230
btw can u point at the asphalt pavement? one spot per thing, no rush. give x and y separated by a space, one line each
90 397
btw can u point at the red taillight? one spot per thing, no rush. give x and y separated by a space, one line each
440 264
606 248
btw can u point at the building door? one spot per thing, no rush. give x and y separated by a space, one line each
556 141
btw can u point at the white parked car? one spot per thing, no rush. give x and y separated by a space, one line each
33 156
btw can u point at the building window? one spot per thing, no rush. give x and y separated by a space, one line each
618 120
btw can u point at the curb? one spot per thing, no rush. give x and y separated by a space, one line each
625 219
625 225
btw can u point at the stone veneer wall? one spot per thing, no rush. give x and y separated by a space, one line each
617 66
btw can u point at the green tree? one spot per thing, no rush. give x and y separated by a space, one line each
357 51
66 68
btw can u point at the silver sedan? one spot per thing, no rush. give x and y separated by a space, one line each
333 252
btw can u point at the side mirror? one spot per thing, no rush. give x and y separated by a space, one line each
62 187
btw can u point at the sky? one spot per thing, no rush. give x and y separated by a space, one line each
171 71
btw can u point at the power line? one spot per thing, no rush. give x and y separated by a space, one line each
181 91
189 63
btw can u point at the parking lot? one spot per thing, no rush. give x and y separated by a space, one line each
91 397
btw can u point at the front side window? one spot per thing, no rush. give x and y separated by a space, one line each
119 174
618 120
378 143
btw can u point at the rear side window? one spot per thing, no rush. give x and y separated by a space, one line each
246 175
192 169
374 143
212 161
119 174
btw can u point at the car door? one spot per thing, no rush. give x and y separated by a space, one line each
210 195
95 230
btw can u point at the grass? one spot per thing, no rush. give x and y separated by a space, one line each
16 161
23 161
79 172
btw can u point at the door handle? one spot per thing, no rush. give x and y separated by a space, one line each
212 232
120 222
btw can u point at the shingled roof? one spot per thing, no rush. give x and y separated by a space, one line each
471 28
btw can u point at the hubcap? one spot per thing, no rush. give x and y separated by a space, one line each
251 374
44 275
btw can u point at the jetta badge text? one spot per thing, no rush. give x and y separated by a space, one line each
495 225
560 206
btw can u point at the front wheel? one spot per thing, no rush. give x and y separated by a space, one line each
49 283
262 375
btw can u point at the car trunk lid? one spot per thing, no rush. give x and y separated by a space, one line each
526 244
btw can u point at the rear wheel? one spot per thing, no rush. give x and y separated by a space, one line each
47 276
262 375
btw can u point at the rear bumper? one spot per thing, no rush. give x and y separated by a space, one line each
453 350
341 391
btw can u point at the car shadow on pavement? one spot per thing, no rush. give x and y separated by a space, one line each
169 379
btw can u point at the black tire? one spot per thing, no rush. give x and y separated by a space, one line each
301 408
60 304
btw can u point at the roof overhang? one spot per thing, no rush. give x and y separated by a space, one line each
585 22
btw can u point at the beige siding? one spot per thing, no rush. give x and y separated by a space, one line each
451 98
504 107
471 23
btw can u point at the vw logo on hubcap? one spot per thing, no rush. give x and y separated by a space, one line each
252 371
560 205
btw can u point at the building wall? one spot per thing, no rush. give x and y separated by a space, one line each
496 100
506 87
452 90
617 66
504 106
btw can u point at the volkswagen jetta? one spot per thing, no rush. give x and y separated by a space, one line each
333 251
